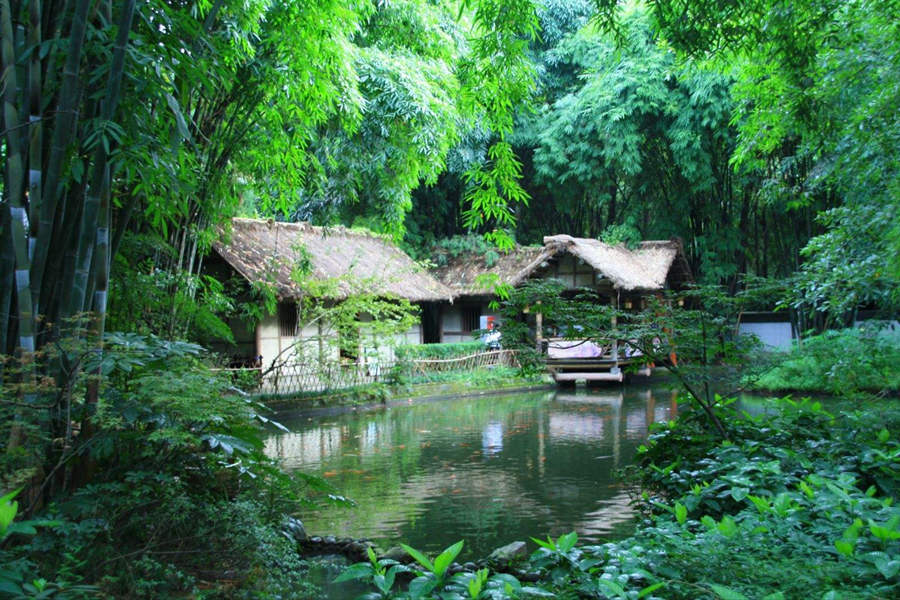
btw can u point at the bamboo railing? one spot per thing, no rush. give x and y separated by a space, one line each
297 378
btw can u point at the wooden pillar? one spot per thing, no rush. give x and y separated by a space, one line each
539 330
614 300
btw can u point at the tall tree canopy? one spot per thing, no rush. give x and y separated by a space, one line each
817 109
160 117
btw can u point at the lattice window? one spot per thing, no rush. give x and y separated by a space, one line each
470 318
287 319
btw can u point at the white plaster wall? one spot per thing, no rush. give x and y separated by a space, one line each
774 335
269 341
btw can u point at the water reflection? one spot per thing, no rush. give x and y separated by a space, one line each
490 469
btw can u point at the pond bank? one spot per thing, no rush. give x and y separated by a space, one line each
381 394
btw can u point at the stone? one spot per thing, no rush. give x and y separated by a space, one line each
506 554
295 530
330 540
357 551
399 554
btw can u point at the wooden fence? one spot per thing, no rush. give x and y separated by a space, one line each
295 378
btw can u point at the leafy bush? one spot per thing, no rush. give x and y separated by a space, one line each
461 245
845 362
799 504
437 351
432 579
169 492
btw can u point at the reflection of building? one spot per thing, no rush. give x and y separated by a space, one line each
578 426
492 438
306 447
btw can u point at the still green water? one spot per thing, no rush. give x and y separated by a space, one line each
489 469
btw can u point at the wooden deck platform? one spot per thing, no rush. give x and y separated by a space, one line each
591 369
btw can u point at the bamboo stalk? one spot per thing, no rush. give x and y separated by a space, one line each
35 142
7 284
15 193
61 139
88 232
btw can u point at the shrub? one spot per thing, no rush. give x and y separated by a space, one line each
437 351
845 363
172 494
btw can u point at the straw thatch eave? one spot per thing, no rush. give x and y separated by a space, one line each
270 252
461 274
645 268
649 267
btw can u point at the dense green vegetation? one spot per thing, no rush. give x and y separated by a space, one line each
847 362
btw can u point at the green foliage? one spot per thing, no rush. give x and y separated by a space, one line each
438 351
148 299
433 579
180 492
462 245
782 508
847 362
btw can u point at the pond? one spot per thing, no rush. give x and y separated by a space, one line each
489 469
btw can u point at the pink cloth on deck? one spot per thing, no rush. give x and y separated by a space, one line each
574 349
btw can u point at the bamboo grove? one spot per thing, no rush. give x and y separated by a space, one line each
149 123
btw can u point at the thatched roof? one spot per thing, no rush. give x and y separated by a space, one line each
268 251
645 268
460 274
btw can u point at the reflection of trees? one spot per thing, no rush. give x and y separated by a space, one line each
604 520
430 473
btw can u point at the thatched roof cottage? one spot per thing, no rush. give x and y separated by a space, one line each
270 252
615 272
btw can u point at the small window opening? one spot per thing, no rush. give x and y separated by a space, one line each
470 318
287 319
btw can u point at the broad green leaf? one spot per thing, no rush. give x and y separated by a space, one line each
443 560
422 586
887 567
680 513
727 593
530 590
567 541
611 586
845 547
739 493
419 557
727 526
549 545
650 589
